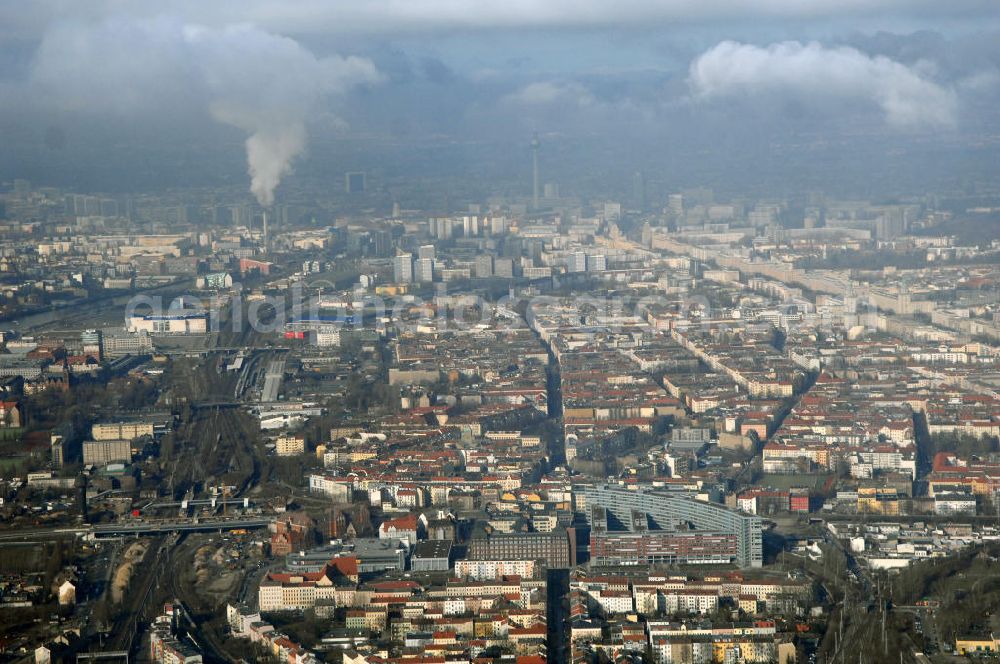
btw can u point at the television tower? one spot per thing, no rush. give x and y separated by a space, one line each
534 162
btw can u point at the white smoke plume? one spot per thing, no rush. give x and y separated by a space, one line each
264 84
906 96
269 158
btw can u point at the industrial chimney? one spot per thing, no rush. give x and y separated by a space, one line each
266 245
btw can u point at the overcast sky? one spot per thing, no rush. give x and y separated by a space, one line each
731 74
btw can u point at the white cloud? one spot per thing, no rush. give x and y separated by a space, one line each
810 72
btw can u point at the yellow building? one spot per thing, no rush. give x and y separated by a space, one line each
289 445
971 645
878 500
120 430
747 649
391 289
748 604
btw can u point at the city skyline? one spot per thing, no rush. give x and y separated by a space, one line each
537 332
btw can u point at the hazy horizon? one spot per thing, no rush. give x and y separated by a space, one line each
889 96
